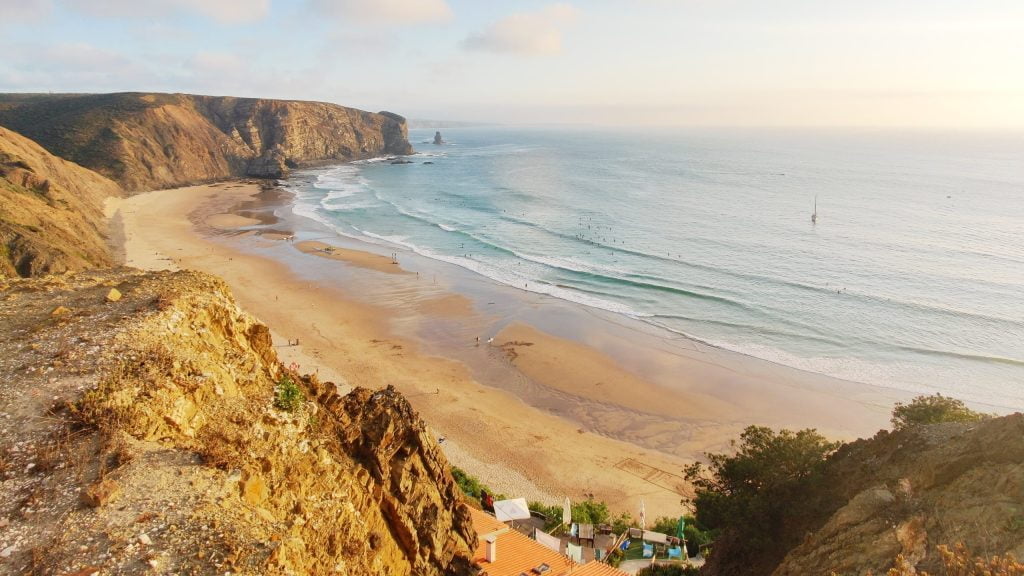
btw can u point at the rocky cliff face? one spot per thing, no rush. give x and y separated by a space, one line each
906 493
51 211
166 425
147 141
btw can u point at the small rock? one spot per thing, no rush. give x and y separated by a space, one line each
254 490
99 493
145 540
6 552
4 523
60 311
114 295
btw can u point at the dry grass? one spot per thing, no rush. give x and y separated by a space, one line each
99 408
959 561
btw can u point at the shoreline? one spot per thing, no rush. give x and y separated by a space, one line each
544 423
509 445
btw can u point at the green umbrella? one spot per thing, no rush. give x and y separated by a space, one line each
679 534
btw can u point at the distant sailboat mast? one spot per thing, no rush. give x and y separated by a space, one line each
814 215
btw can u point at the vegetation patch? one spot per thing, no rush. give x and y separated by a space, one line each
933 410
747 493
287 395
669 570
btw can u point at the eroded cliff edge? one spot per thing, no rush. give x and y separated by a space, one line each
51 211
142 434
146 141
902 493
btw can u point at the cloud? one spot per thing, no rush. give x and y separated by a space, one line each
224 11
15 11
531 33
71 66
385 11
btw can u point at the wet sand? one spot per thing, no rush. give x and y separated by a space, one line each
355 257
535 413
230 221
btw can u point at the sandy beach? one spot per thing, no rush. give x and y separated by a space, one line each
613 414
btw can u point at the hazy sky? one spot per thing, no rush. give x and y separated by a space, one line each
926 63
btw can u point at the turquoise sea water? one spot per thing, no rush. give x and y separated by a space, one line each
912 278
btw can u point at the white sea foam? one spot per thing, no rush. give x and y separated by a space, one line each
337 194
374 160
725 238
915 378
504 276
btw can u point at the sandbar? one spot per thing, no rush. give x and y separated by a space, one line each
359 258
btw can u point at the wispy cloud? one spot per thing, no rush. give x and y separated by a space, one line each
18 11
224 11
530 33
71 66
385 12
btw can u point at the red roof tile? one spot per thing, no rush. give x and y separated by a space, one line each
518 554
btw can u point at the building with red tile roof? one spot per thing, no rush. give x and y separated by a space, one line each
502 551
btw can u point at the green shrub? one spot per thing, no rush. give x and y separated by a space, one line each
616 557
697 539
669 570
696 536
587 511
746 492
288 395
932 410
552 514
665 525
622 523
470 485
590 511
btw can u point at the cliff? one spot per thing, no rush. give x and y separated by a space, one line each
157 407
149 141
51 211
904 492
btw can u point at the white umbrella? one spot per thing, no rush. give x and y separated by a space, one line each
643 516
567 512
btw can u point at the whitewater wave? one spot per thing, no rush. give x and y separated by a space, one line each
504 275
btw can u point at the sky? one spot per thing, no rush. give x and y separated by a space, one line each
805 63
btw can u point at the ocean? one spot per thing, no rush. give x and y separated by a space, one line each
912 278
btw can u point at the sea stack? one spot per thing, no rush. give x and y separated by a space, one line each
437 138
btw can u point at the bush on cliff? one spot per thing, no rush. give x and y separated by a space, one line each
747 492
697 536
470 485
932 410
288 395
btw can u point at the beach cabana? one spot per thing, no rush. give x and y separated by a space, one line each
510 510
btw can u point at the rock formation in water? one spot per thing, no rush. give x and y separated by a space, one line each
147 141
437 138
904 492
51 211
144 435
